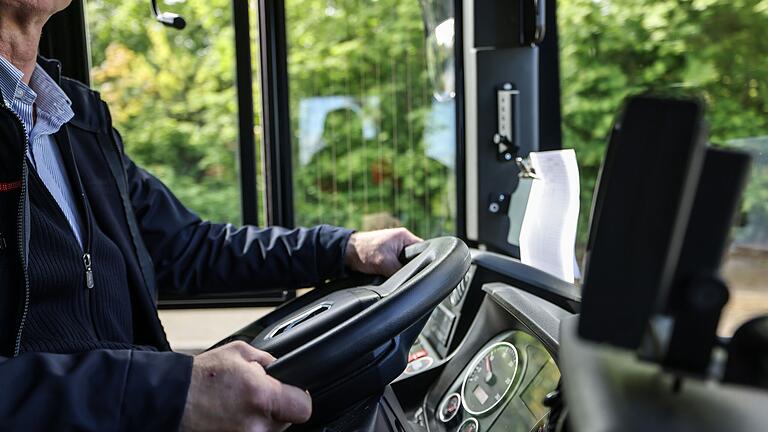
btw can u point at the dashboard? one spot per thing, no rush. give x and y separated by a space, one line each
486 360
503 388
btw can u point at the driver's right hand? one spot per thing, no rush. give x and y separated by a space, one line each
230 391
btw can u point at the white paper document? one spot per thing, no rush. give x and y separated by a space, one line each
547 234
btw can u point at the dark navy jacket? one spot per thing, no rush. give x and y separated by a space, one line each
166 248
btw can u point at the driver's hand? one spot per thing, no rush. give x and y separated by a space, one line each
376 252
230 391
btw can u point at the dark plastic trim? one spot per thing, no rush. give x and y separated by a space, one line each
275 115
64 39
461 160
530 279
540 316
245 116
550 116
228 300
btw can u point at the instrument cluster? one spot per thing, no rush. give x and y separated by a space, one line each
503 387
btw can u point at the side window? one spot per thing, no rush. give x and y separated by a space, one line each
712 49
173 97
374 138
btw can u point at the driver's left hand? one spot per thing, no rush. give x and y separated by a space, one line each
376 252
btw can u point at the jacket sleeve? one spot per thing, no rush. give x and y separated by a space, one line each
194 256
104 390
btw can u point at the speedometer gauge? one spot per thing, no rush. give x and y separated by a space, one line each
489 378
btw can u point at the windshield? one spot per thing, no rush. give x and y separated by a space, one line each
374 142
713 49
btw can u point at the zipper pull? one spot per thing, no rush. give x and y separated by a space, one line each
3 244
88 270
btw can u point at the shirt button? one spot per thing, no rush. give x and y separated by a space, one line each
19 93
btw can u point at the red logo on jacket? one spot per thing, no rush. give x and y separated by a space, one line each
10 186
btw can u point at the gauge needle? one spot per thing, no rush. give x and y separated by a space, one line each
488 369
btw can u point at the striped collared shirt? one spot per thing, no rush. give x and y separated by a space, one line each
43 108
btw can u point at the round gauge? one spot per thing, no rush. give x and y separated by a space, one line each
489 378
449 407
469 425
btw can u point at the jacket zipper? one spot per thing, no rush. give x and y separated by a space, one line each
88 270
89 284
87 262
21 235
87 259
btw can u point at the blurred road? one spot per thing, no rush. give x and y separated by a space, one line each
746 272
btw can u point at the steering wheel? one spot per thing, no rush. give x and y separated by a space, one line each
353 342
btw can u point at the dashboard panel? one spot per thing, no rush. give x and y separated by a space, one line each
442 324
449 323
501 371
492 274
502 388
442 328
485 360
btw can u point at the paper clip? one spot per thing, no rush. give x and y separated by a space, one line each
526 170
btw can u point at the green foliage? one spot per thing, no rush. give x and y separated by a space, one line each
371 50
173 97
712 49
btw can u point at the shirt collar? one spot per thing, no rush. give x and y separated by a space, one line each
10 78
53 105
51 101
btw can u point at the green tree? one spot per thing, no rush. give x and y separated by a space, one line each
172 97
610 49
373 52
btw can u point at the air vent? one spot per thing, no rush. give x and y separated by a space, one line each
299 320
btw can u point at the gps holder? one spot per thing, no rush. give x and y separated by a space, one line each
659 226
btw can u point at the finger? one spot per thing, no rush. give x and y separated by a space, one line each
390 266
408 238
252 354
263 358
411 238
293 405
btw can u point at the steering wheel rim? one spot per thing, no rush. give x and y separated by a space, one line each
405 298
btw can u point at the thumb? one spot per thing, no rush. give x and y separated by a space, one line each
390 265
